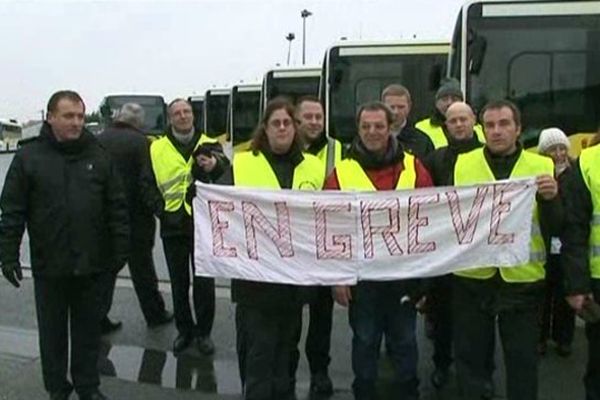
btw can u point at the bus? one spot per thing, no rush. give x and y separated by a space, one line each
542 55
155 120
243 114
357 72
289 82
11 132
216 103
197 103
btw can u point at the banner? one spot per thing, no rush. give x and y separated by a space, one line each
333 237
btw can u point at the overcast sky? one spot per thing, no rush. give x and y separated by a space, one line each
178 48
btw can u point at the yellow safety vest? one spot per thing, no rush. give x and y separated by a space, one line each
337 154
173 173
589 163
436 132
472 168
255 171
351 176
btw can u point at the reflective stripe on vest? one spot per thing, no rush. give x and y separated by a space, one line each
589 163
351 176
330 155
255 171
472 168
173 173
437 135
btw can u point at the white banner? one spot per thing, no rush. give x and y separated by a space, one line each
333 237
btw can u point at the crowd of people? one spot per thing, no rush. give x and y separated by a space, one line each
89 205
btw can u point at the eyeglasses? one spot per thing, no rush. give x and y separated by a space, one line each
276 123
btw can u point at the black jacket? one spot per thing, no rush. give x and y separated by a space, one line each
179 223
576 235
261 294
129 149
415 141
440 162
70 197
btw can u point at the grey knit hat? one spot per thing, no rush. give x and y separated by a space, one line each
131 114
449 87
550 137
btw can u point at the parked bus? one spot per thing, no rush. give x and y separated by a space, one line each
289 82
542 55
357 72
11 132
243 114
216 102
197 103
155 120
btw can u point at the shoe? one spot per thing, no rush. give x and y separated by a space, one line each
96 395
439 377
182 342
320 385
107 326
164 319
205 345
563 349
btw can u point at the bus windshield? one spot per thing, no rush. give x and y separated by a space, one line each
215 114
10 131
198 110
356 79
244 114
547 65
154 108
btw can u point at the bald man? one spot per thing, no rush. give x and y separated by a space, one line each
460 122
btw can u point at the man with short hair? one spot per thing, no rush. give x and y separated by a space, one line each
64 188
414 141
125 142
174 156
448 93
377 162
460 121
511 296
310 123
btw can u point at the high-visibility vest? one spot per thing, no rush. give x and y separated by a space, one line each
255 171
330 155
351 176
589 163
437 135
173 173
472 168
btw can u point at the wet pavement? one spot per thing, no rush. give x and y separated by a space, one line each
137 362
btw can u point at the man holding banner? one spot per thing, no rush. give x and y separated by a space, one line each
376 161
510 295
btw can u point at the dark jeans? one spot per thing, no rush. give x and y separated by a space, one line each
178 252
267 339
477 304
440 312
557 318
143 273
65 303
375 311
592 331
318 339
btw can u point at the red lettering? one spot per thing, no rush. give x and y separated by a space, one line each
218 226
280 236
415 222
331 246
392 208
500 207
466 231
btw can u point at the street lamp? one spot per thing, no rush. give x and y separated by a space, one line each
290 36
304 14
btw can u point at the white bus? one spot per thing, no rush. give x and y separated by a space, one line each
243 114
542 55
357 72
11 132
155 120
289 82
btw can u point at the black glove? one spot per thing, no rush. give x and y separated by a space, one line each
13 273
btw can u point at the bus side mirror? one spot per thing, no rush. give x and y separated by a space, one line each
477 47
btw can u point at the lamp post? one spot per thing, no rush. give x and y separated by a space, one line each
304 14
290 36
